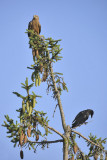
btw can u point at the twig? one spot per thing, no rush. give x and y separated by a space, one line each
81 153
42 142
58 97
88 140
55 131
55 110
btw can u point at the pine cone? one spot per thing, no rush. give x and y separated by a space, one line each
37 54
23 135
25 138
37 137
72 158
21 139
41 67
95 156
33 52
75 148
34 125
29 131
44 77
21 154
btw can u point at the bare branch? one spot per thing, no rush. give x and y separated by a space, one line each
58 98
42 142
56 131
88 140
82 154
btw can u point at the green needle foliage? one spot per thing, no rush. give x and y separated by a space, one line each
94 151
29 117
33 123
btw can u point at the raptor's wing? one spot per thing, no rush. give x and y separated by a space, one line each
39 28
29 27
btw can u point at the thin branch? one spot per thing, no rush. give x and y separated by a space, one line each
42 142
81 153
88 140
55 131
58 97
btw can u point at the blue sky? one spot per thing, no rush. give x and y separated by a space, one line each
82 26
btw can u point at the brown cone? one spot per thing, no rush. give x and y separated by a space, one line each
37 54
95 156
33 52
29 132
44 77
21 154
41 68
75 148
37 137
25 139
23 135
21 139
72 158
29 127
34 125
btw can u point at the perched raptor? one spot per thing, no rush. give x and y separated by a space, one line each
36 27
82 117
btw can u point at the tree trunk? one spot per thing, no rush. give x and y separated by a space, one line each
66 143
65 150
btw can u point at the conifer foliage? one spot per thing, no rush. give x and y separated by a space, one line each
30 119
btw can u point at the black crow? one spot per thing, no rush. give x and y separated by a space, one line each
82 117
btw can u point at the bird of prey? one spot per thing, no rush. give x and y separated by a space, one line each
36 27
82 117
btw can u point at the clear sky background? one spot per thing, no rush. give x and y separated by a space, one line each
82 26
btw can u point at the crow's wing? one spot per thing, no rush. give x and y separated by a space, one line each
79 115
80 118
79 121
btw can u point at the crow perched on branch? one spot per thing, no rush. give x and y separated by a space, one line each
82 117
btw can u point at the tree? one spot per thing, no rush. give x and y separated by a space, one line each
47 53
